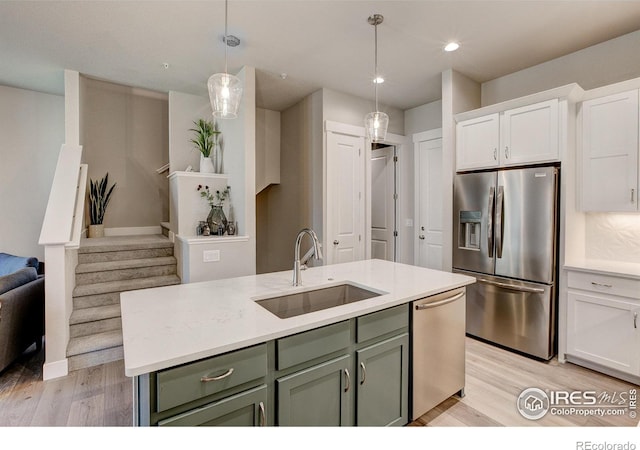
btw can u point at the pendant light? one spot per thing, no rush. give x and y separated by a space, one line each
225 90
376 122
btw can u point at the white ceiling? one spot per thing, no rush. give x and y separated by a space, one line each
316 43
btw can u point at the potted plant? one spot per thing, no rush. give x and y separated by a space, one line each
99 198
206 142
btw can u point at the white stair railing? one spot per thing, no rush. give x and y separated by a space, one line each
60 236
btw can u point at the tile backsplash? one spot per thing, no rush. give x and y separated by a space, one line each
613 237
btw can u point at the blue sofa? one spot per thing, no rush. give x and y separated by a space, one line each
21 306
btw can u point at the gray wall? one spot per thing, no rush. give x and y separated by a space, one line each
599 65
416 120
283 209
125 133
31 133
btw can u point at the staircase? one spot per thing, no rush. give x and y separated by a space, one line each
106 267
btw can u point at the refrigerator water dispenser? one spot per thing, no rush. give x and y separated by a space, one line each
470 230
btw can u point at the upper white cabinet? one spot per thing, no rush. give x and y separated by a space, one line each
530 134
610 153
477 142
523 135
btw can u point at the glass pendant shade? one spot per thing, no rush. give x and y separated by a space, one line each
225 93
376 124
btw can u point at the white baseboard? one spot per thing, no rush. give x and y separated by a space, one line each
55 369
128 231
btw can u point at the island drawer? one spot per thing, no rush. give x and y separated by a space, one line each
382 322
183 384
312 344
604 284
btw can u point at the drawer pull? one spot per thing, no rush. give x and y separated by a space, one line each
601 284
263 415
364 373
635 320
348 380
219 377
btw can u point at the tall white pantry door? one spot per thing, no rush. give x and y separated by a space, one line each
345 198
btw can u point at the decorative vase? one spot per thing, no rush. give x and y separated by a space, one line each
216 218
206 165
96 231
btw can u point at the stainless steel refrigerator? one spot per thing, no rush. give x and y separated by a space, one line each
505 235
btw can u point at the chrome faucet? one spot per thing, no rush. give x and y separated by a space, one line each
297 281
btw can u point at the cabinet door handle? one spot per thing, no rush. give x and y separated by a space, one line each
421 237
506 152
364 373
263 415
228 373
633 195
347 380
635 320
495 153
600 284
336 242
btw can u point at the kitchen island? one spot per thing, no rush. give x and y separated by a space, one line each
199 348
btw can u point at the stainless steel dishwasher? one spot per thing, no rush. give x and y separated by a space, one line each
438 349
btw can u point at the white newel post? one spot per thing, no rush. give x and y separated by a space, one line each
56 313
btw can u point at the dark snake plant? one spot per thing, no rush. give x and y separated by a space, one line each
99 199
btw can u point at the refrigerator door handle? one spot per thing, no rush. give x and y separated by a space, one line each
512 287
490 221
499 220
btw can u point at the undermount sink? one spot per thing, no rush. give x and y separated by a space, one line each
292 305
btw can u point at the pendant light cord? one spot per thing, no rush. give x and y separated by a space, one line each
375 80
226 44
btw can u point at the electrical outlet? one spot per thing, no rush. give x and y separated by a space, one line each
210 255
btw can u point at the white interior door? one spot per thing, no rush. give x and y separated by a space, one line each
345 198
383 193
428 199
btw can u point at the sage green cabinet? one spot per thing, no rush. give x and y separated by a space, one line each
246 409
318 396
353 372
383 383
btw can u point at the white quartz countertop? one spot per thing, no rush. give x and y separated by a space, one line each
166 326
604 267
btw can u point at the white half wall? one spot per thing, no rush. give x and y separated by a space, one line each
28 162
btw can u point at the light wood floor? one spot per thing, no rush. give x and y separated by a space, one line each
102 395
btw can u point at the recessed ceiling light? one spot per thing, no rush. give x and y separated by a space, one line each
451 47
378 80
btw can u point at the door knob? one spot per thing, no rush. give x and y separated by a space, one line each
421 236
336 242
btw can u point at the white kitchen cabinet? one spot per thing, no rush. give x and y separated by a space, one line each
477 142
529 134
524 135
610 153
602 322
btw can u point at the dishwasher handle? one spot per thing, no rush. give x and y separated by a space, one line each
439 303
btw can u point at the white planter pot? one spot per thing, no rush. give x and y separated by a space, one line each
206 165
96 231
